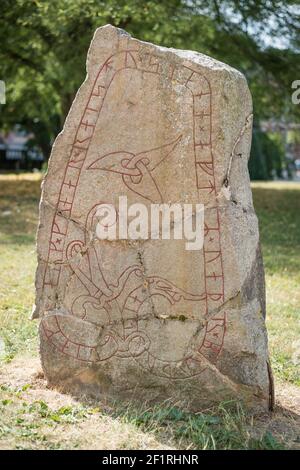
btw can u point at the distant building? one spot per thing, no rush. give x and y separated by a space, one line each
16 154
295 150
290 134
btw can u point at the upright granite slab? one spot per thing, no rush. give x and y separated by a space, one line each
148 319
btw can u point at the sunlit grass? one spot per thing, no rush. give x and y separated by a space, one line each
18 218
278 210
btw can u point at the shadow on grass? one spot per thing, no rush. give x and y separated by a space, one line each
278 212
16 239
224 427
18 211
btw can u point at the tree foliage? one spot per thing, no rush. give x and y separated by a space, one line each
44 45
267 156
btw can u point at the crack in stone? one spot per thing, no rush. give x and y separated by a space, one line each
233 385
231 300
61 214
248 122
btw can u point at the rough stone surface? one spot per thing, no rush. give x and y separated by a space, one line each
147 319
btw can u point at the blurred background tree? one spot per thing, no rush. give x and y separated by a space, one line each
44 45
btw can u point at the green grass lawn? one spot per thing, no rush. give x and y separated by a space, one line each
18 221
278 209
